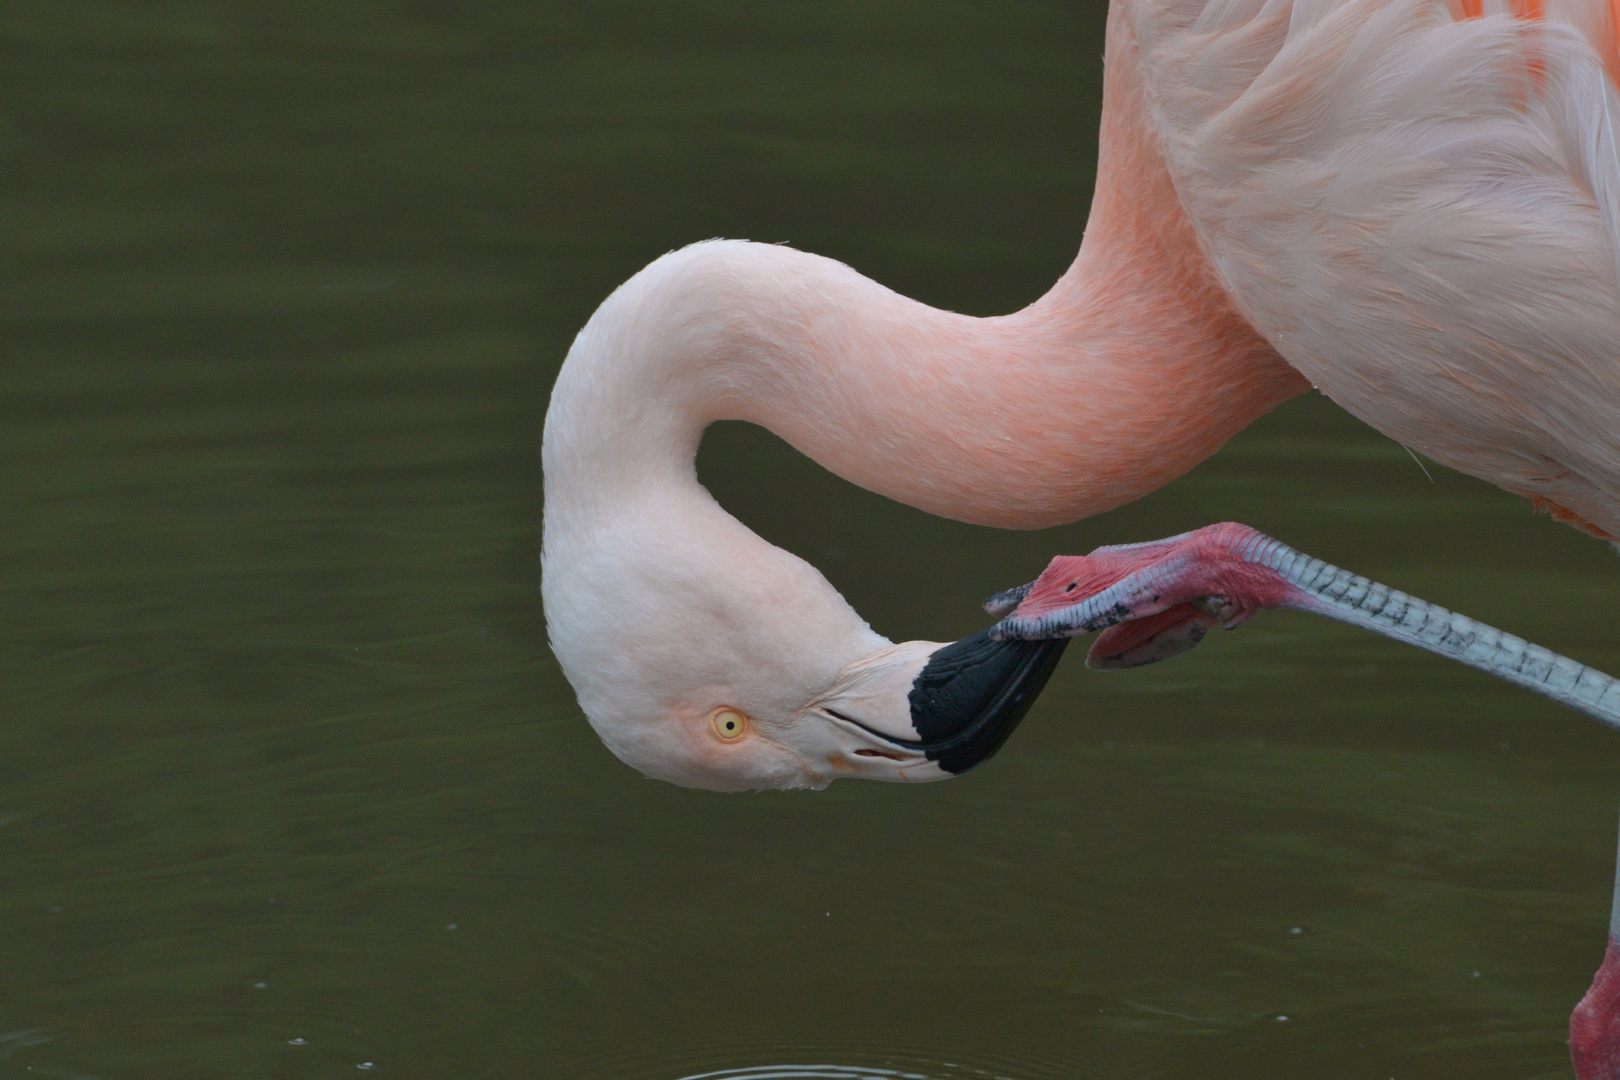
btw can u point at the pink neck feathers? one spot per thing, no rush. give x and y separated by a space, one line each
1131 370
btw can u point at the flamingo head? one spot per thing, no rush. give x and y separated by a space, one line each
705 656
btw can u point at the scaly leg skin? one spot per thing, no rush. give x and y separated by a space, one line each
1152 601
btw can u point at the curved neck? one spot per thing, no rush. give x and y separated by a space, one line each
1132 369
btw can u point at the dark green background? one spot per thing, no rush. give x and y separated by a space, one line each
283 286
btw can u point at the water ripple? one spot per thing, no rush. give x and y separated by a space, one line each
828 1072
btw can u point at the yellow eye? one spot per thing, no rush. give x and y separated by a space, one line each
729 724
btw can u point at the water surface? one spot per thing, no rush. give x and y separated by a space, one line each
289 784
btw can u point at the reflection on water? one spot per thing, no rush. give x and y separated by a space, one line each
898 1062
289 783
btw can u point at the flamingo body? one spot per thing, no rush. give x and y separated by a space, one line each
1418 206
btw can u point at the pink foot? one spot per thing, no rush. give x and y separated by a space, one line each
1594 1026
1151 601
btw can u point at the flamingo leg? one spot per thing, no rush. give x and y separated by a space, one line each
1594 1026
1228 572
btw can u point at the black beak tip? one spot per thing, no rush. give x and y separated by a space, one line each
972 693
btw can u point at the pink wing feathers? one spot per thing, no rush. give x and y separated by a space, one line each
1418 204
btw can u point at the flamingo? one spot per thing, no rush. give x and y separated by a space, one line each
1411 205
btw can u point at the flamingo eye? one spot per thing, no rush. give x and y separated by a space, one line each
728 724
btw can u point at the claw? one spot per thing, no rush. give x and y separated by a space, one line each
1003 603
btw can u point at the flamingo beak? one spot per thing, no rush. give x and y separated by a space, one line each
972 693
961 701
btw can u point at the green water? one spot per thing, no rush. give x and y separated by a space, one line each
289 782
